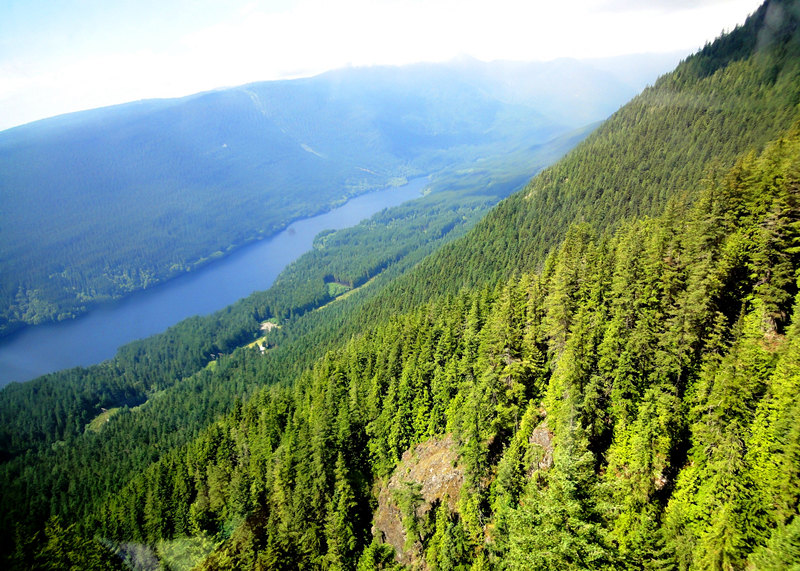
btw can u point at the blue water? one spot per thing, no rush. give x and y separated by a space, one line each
96 336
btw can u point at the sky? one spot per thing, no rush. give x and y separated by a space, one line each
58 56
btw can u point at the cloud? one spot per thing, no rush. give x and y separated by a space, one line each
187 47
661 5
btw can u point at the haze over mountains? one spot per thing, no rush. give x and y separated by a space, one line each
101 203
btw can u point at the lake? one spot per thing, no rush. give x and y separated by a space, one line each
96 336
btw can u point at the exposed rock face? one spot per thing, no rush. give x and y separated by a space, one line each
433 465
543 438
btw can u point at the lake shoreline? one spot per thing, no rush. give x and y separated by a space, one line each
16 327
97 334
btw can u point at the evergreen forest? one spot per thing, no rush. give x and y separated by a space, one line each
600 373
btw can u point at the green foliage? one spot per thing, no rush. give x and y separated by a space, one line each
626 401
558 525
63 548
409 499
782 551
619 492
377 556
185 553
448 548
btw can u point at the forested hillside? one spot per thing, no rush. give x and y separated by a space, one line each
630 406
56 407
601 374
165 389
101 203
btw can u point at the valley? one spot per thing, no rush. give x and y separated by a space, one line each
107 202
96 336
593 369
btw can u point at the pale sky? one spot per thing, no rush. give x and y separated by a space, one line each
58 56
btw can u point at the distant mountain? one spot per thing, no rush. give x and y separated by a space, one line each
638 70
566 90
101 203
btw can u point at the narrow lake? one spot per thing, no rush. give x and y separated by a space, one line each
96 336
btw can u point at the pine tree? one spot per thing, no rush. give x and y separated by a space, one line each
341 520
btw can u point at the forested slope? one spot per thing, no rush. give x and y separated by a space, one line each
163 390
631 406
626 401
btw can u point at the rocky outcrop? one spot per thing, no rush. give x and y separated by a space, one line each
431 472
543 438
